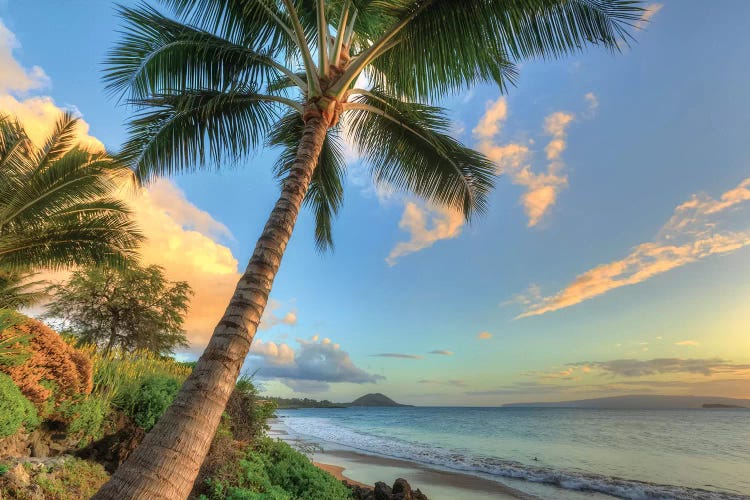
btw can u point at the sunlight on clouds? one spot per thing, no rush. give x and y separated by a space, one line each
484 336
425 225
494 116
514 159
687 343
695 231
38 116
13 76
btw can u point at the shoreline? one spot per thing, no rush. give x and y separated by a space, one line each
365 469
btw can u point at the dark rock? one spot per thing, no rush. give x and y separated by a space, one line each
401 490
382 491
418 495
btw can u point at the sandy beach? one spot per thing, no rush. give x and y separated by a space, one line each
365 470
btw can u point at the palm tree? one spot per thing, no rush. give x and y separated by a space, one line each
214 81
17 291
57 204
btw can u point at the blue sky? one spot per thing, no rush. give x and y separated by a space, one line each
664 123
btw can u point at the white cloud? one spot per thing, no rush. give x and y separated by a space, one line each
14 78
425 225
310 368
699 228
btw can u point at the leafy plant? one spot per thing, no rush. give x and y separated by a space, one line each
15 410
87 418
273 470
151 400
57 207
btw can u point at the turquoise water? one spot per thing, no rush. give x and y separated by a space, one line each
624 453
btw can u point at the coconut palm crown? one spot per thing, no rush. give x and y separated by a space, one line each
217 79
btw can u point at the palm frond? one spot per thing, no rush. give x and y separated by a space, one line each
408 147
159 55
56 208
184 131
480 40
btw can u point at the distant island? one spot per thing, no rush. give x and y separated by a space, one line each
643 402
374 399
369 400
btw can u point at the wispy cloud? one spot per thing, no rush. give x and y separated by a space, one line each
699 228
425 226
484 336
639 368
395 355
454 383
442 352
687 343
514 159
649 12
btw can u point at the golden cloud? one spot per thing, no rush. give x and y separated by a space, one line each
695 231
425 225
514 159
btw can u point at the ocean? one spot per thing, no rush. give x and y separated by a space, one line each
636 454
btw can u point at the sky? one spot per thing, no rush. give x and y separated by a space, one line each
614 257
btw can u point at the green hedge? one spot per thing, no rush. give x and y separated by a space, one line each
146 405
15 409
273 470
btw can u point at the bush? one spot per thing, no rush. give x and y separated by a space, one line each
248 414
118 376
51 371
272 470
87 418
151 400
15 409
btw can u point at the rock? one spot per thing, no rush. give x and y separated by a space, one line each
382 491
401 490
39 448
418 495
18 475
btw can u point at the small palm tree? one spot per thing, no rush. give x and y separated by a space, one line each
57 207
17 290
221 77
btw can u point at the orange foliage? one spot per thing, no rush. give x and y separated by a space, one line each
52 365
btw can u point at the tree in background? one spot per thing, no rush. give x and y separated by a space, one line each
214 81
57 203
132 308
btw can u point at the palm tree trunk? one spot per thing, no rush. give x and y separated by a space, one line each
166 464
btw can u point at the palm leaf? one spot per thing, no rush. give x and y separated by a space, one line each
408 147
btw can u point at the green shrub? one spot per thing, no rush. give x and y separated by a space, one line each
273 470
15 409
151 400
248 415
87 418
